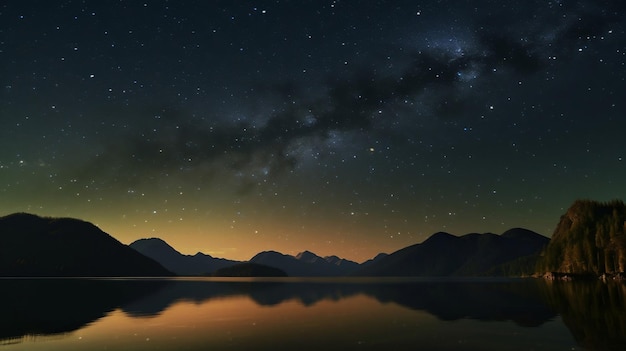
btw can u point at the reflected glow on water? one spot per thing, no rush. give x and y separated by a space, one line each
210 315
233 323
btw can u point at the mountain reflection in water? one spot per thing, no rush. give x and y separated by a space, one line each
594 311
357 313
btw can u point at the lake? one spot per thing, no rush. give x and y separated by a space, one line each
311 314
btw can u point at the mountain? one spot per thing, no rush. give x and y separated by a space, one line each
287 263
35 246
248 269
305 264
328 265
168 257
374 260
444 254
590 239
345 266
309 257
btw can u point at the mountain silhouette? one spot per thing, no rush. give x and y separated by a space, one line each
309 257
37 246
43 247
373 260
305 264
287 263
168 257
333 264
514 253
444 254
346 266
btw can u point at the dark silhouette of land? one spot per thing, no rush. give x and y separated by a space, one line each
306 264
32 246
473 254
589 241
36 246
168 257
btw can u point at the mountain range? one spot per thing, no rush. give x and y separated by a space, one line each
513 253
306 264
444 254
198 264
590 239
35 246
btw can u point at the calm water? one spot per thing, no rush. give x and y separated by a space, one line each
310 314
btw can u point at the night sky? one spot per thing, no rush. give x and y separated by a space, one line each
340 127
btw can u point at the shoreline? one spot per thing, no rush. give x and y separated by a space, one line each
561 276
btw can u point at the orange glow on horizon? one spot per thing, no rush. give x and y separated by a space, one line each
222 239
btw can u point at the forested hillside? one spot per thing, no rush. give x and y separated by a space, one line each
589 239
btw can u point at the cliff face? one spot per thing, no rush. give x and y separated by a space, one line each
590 239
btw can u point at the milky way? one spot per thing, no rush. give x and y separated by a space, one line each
340 127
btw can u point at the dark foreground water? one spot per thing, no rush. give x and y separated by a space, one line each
310 314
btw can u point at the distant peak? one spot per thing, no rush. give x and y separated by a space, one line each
440 236
24 215
143 240
519 232
152 243
202 254
308 256
23 218
269 253
306 253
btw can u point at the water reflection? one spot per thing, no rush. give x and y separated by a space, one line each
353 313
516 300
53 306
595 311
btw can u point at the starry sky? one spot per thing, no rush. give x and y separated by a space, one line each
340 127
